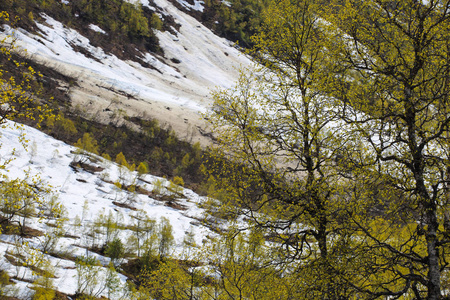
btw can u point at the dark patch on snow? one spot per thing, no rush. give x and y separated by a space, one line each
124 205
75 165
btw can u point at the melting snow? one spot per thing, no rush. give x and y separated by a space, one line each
96 28
50 159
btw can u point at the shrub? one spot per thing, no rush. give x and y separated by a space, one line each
86 144
115 250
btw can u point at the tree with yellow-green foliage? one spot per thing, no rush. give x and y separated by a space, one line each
276 142
19 94
243 268
142 169
19 99
28 197
86 145
22 199
170 281
393 76
121 160
236 265
337 144
166 239
135 23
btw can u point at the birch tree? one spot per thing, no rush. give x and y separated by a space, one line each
277 143
394 60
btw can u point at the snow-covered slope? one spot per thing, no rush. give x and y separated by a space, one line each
174 91
85 195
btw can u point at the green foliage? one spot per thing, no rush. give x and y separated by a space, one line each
106 156
142 169
110 225
170 281
171 139
187 161
118 18
136 24
20 85
273 153
87 144
245 269
144 229
176 185
157 154
44 289
56 215
88 269
157 186
335 150
147 146
166 239
125 23
61 127
6 288
238 266
236 20
338 145
4 278
112 282
19 200
121 160
115 250
155 22
123 169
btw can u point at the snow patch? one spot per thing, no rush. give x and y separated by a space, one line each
51 159
198 5
96 28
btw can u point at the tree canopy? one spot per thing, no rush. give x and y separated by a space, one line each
336 144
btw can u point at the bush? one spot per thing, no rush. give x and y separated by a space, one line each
115 250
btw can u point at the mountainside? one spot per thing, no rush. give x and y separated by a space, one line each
90 196
328 171
81 204
172 86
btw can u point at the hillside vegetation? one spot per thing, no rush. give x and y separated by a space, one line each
328 178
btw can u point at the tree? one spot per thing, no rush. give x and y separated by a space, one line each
20 91
115 250
142 169
394 66
166 239
86 145
88 271
44 288
19 200
124 170
144 230
244 269
342 135
169 281
277 147
135 23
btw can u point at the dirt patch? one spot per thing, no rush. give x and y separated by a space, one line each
86 167
175 205
142 191
8 227
124 205
84 51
